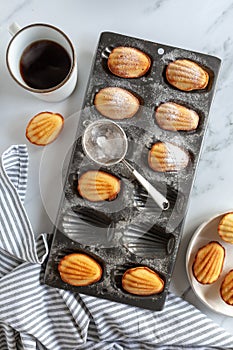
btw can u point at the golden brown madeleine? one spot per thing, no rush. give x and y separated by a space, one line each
128 62
116 103
44 128
208 263
225 228
186 75
142 281
79 269
174 117
165 157
96 185
226 289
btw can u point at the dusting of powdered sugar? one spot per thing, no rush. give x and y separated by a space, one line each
142 132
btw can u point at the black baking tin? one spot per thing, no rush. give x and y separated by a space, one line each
133 206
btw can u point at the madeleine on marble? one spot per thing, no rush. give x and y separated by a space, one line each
97 185
79 269
165 157
226 289
142 281
116 103
175 117
128 62
225 228
186 75
208 263
44 128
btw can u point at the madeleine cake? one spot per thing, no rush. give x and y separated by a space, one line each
225 228
186 75
96 185
116 103
79 269
208 263
128 62
142 281
174 117
165 156
226 289
44 128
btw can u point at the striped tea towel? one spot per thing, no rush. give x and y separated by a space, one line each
34 316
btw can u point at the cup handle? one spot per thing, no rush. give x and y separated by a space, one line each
13 28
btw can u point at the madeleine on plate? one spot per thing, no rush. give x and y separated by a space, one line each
208 263
226 289
225 228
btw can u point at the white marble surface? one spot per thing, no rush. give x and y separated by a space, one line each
204 26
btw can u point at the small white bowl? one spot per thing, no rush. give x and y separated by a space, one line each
210 294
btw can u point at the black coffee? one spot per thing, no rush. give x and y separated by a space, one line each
44 64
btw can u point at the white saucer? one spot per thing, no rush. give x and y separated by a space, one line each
210 294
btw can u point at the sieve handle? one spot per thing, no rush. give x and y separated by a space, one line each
155 194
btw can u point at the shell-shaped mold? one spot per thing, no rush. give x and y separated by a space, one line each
149 241
226 289
141 280
44 128
225 228
186 75
166 156
79 269
174 117
116 103
96 186
208 263
128 62
143 201
88 226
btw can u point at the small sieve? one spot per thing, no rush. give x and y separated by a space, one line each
106 144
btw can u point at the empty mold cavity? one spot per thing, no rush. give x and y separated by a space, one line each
88 226
143 239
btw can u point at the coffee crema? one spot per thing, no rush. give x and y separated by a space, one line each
44 64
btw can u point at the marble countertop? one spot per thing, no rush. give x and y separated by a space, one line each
203 26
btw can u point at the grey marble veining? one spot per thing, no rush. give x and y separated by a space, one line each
203 26
12 9
154 6
225 11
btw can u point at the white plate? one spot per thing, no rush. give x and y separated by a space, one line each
210 294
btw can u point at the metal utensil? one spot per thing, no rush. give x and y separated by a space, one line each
105 143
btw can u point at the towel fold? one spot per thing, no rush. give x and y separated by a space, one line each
34 316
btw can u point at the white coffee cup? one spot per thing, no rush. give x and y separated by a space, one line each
22 38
